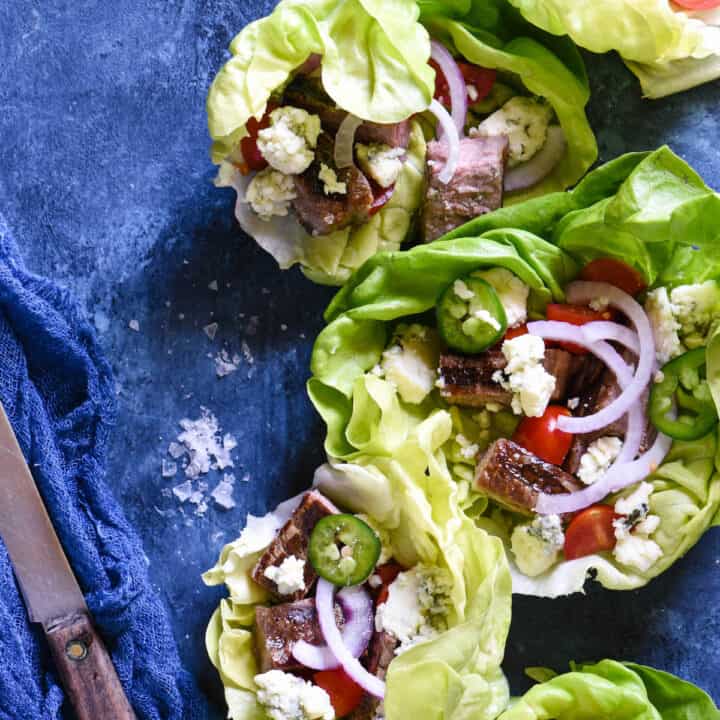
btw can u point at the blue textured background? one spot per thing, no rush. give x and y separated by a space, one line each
105 179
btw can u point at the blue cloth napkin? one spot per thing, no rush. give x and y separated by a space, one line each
59 393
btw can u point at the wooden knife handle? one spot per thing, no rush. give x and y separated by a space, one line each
86 670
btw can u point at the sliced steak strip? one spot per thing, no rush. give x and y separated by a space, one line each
476 187
309 94
321 214
293 539
278 628
380 654
585 373
514 477
468 380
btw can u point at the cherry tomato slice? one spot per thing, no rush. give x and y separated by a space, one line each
345 694
514 332
697 4
387 573
575 315
615 272
381 197
590 531
482 79
442 89
248 145
541 436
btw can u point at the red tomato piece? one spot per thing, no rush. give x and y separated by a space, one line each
541 436
345 694
387 573
482 79
697 4
248 145
590 531
615 272
514 332
575 315
442 90
381 196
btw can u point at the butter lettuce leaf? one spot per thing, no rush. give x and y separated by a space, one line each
374 63
611 689
650 210
493 35
667 49
412 500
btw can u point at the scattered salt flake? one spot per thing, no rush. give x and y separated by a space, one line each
169 469
246 352
245 478
224 364
203 443
223 492
134 325
213 285
184 491
181 316
101 320
175 450
211 330
166 492
283 327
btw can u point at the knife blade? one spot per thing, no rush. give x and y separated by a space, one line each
51 592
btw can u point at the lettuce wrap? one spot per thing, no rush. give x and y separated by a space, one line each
613 690
413 504
651 211
371 59
669 49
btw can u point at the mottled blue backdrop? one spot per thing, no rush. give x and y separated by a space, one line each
105 179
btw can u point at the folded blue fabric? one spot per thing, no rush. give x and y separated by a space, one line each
59 393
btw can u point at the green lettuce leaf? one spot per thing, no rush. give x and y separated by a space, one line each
611 689
668 50
650 210
374 63
412 500
493 35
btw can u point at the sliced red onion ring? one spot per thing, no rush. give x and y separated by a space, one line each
344 154
358 629
451 137
584 292
324 602
606 330
456 84
617 478
566 332
540 165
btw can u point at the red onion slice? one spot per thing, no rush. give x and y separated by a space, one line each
617 478
540 165
358 629
456 84
324 602
606 330
451 137
584 292
344 154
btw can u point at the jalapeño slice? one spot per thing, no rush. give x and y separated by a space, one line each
343 549
684 390
470 315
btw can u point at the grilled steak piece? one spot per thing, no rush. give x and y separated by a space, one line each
468 380
592 400
293 539
476 187
279 627
513 476
380 655
308 93
585 372
321 214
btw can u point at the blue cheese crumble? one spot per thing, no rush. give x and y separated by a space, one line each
381 162
537 545
289 576
511 291
288 144
597 459
633 529
270 194
331 184
286 697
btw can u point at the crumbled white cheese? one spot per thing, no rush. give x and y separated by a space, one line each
596 460
524 121
288 143
531 385
511 291
600 304
330 181
416 606
573 403
536 545
664 325
381 162
634 547
697 310
270 194
468 450
410 362
289 576
288 697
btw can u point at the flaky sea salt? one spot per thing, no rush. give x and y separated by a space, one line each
169 469
213 286
225 365
211 330
223 492
134 325
184 491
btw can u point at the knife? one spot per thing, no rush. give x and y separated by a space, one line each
51 592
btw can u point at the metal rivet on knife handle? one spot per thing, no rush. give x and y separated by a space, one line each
76 650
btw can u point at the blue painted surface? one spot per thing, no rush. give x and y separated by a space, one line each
105 179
